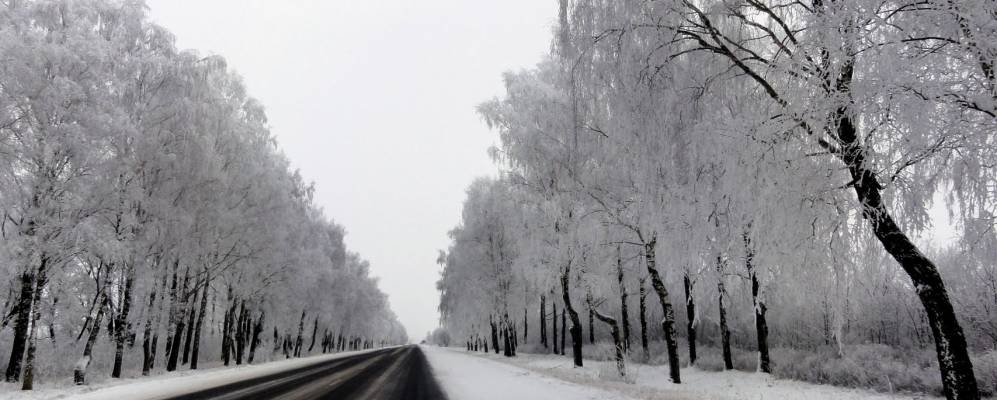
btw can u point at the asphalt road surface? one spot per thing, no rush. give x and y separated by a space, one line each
399 373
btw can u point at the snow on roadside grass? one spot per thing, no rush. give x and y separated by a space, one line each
651 382
165 385
466 377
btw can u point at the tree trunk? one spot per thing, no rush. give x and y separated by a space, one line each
148 348
240 334
301 329
155 326
624 313
121 327
325 345
564 328
958 378
526 323
543 320
553 305
258 328
196 350
617 340
191 320
225 337
171 317
668 322
643 318
314 333
690 315
761 326
227 327
21 322
29 358
183 308
724 330
80 370
495 337
507 344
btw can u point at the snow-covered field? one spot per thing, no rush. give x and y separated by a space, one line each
478 376
165 385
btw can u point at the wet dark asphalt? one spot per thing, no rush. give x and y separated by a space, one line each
400 373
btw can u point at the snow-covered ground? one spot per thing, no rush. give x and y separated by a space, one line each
164 385
468 377
478 376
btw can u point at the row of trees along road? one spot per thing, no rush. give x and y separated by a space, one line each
149 219
759 170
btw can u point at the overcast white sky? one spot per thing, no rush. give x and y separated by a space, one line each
374 102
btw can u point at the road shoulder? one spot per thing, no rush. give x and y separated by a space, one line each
468 377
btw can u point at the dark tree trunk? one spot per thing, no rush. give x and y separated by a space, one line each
526 324
191 320
21 322
240 334
258 329
247 329
276 340
314 333
507 344
326 343
724 330
195 352
624 313
617 341
298 341
29 358
690 315
495 337
148 347
228 325
564 328
35 312
543 320
226 321
173 355
761 326
121 326
643 317
668 322
958 378
553 306
171 318
80 370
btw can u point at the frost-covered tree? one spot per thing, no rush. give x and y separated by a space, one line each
785 150
143 198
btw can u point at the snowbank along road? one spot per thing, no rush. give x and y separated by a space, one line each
390 374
